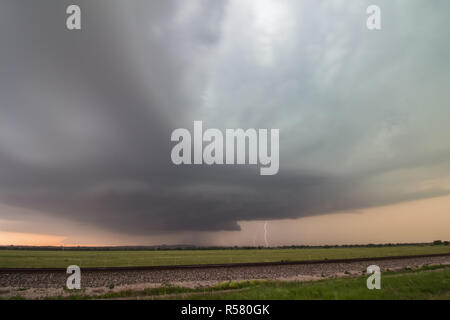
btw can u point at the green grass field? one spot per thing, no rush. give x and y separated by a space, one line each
62 259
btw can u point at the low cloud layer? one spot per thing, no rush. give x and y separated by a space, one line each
86 116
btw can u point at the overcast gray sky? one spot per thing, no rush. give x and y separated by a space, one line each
86 116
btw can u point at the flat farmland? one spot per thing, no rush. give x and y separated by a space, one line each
131 258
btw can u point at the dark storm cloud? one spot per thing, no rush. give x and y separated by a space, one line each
86 116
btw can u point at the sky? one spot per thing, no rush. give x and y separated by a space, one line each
87 116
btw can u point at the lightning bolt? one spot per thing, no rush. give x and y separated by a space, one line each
265 234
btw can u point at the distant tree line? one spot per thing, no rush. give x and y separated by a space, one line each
192 247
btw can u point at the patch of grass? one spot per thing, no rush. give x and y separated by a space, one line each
17 298
234 285
62 259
